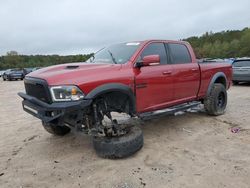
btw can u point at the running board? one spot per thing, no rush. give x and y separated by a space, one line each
168 111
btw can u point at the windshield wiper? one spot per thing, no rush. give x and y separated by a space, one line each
113 59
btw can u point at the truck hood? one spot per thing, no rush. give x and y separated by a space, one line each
74 73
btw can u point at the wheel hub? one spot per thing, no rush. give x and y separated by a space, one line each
221 100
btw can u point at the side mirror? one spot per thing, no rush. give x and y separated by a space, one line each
149 60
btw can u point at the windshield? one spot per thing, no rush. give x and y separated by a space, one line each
241 64
117 54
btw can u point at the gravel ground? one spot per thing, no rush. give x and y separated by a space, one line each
188 150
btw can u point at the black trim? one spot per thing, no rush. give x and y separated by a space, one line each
168 111
112 87
44 110
215 77
169 59
34 81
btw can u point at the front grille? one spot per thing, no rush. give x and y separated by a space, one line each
37 88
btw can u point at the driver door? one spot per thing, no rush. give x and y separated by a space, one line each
154 84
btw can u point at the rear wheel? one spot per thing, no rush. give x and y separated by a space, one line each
56 129
216 102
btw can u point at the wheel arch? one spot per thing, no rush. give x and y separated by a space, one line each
114 87
219 77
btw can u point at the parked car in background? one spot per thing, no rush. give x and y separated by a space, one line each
27 70
30 69
1 72
241 70
229 60
36 68
13 74
211 60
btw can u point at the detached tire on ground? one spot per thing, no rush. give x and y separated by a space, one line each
119 147
216 102
56 129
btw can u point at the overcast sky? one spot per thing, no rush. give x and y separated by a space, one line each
83 26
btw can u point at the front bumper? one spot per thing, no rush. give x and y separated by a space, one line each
68 112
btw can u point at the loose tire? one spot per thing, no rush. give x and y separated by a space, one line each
216 102
119 147
56 129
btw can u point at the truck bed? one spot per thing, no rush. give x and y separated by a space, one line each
208 70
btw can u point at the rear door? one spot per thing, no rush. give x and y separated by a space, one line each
154 84
186 73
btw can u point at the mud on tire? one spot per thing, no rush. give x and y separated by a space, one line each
216 102
119 147
56 129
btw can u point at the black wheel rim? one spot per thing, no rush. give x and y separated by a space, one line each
221 100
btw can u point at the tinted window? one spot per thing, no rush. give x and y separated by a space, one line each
241 64
156 49
179 53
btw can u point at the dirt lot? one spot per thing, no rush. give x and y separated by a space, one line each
189 150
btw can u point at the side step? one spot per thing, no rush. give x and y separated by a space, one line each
168 111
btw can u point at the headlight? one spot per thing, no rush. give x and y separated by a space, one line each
66 93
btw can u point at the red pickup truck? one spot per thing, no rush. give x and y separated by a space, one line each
135 79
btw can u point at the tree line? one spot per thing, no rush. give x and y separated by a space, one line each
225 44
13 60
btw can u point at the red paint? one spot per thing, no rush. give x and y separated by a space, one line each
166 85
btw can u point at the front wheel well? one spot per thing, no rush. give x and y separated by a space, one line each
118 101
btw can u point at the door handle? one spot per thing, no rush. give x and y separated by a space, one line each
194 69
167 72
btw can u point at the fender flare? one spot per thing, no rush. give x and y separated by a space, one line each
114 87
213 80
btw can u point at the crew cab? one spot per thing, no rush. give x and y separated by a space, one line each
134 78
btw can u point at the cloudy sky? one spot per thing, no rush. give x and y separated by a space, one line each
83 26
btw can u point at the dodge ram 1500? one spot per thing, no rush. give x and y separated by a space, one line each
135 79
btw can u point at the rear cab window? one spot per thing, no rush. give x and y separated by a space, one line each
179 53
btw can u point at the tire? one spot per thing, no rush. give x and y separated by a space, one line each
119 147
235 83
56 129
216 102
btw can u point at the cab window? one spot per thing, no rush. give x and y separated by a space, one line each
179 53
155 49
